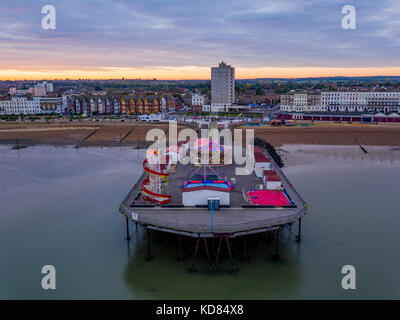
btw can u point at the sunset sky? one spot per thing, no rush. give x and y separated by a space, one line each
181 39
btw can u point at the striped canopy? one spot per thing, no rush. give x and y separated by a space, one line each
209 145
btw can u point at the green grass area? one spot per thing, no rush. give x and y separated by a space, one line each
9 117
32 117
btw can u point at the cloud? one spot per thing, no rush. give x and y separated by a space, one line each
179 33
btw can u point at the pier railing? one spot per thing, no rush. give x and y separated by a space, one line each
132 190
250 226
289 184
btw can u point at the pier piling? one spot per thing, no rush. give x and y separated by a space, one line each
236 251
193 268
245 256
298 237
149 245
230 254
276 256
208 255
218 252
128 236
180 255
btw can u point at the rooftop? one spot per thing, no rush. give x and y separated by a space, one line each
260 157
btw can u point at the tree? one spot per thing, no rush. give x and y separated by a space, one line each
260 92
205 91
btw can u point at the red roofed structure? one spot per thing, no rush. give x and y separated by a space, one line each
269 173
260 157
273 182
268 197
262 162
258 150
274 178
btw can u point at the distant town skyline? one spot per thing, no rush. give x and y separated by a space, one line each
178 40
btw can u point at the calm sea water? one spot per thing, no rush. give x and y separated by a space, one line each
58 206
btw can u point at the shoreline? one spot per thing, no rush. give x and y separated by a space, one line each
86 134
294 156
329 156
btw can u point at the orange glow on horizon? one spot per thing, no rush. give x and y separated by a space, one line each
192 73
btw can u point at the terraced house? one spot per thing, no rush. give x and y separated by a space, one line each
93 105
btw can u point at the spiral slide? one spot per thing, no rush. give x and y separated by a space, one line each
150 171
149 194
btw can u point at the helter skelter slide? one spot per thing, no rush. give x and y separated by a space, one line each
155 185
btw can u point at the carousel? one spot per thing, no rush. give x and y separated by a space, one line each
207 180
211 153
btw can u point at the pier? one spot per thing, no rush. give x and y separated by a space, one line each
237 220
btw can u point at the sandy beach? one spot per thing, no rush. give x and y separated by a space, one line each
82 134
332 134
87 133
338 155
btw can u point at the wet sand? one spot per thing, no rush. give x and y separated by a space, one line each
300 155
86 133
332 134
77 134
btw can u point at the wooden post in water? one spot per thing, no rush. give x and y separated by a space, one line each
128 237
208 255
245 256
230 254
149 243
298 237
218 252
193 268
180 256
276 256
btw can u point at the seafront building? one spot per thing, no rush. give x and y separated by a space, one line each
198 100
360 101
129 105
53 104
89 105
18 105
337 101
36 105
222 87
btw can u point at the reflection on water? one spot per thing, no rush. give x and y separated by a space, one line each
258 278
59 207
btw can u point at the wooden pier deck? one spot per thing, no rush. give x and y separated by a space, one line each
237 220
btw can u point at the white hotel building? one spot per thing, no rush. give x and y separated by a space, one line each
36 105
18 105
342 102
